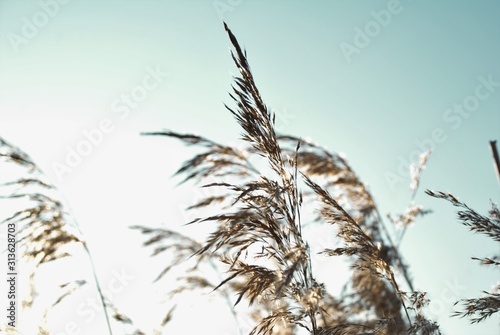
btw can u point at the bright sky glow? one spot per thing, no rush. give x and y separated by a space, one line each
379 89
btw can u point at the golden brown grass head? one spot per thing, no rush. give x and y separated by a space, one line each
258 240
478 309
45 231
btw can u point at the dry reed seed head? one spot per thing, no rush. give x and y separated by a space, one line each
418 300
45 228
415 171
333 173
423 326
409 216
476 222
361 245
218 160
265 212
478 309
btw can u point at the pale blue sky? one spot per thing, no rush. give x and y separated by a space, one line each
374 106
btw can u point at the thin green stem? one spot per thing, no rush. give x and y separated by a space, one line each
98 286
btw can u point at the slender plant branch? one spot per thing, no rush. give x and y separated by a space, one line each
496 159
98 286
396 252
412 199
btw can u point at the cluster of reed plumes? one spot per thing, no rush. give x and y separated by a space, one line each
267 191
45 233
260 216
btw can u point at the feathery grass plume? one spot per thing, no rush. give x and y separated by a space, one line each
478 309
404 220
267 215
358 243
415 171
45 231
332 172
42 232
413 210
258 236
219 160
411 213
318 163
